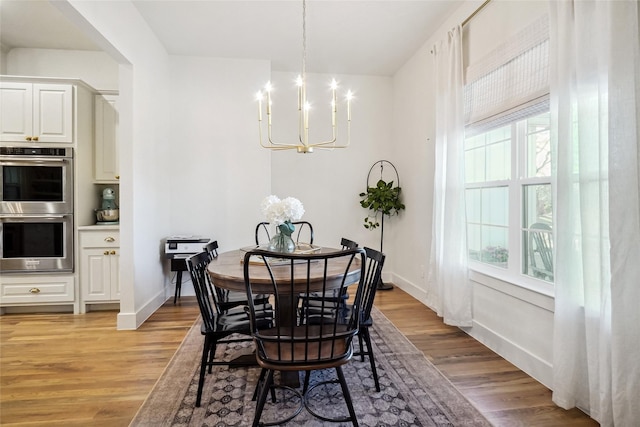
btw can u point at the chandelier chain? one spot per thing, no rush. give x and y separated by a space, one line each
304 40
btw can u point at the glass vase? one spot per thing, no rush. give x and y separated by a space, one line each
281 242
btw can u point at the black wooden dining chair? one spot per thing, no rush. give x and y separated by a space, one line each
293 343
303 233
365 297
226 299
375 262
218 326
316 299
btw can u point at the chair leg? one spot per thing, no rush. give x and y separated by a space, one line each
361 345
263 371
208 342
307 375
260 380
212 355
347 396
262 398
364 332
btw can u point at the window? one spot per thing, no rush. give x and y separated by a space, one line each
508 197
508 150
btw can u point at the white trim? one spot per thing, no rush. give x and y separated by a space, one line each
522 358
530 295
129 321
526 361
415 291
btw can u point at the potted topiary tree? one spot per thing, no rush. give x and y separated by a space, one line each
381 200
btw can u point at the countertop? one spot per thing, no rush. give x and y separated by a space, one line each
99 227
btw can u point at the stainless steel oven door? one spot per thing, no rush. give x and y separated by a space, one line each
36 180
36 243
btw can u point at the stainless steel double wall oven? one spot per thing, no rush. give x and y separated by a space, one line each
36 209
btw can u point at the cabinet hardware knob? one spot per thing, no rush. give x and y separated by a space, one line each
117 176
112 252
109 239
106 252
28 138
35 138
34 290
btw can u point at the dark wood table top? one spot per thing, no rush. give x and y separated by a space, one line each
227 272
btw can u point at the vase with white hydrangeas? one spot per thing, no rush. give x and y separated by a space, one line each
282 213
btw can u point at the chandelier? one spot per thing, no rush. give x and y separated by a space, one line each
303 145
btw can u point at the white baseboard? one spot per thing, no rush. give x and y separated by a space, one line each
408 287
537 368
129 321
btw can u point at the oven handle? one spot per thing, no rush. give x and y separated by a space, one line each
13 161
22 218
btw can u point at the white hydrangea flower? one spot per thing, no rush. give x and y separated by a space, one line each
279 211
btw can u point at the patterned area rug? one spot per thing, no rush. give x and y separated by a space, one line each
413 392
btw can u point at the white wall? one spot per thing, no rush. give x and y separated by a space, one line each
328 183
516 323
145 148
97 69
3 58
219 173
217 142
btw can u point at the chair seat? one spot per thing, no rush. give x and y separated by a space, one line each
307 351
224 325
232 299
261 309
238 316
317 297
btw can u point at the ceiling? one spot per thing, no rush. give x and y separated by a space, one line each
373 37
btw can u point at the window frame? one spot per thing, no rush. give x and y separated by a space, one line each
513 273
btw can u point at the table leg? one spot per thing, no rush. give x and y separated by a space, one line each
287 310
246 357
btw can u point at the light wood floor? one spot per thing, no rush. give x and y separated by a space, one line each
77 370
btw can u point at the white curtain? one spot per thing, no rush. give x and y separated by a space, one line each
448 287
595 107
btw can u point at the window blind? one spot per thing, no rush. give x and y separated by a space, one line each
511 82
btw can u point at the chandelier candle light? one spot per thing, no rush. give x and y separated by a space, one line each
304 146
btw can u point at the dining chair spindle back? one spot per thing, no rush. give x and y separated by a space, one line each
225 298
315 298
293 342
375 262
218 325
365 297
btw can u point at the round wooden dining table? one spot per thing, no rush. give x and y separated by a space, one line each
227 272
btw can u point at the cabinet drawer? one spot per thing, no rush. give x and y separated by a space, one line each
36 291
99 239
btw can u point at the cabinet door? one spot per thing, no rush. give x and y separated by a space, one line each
114 275
106 139
97 274
53 112
16 107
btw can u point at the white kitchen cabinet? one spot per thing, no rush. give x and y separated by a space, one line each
106 163
99 267
37 289
36 112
